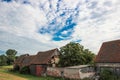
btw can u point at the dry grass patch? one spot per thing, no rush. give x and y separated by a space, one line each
5 74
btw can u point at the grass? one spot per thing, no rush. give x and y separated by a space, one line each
5 74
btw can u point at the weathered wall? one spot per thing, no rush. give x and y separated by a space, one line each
72 73
33 69
38 70
86 72
84 75
63 72
114 67
54 71
108 64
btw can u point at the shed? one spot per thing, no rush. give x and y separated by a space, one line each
19 61
43 59
109 56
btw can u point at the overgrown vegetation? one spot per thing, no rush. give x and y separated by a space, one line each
7 74
9 58
3 60
75 54
107 74
25 70
16 68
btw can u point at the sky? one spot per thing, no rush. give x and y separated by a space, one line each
29 26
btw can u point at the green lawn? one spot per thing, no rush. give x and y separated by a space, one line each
5 74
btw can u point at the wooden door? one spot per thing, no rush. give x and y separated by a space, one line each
39 70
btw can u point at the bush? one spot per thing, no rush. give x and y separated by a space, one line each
106 74
25 70
16 68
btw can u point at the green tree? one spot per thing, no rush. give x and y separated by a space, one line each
10 53
3 60
74 54
89 56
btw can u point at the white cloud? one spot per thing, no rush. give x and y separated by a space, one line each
23 20
94 32
64 32
22 44
98 21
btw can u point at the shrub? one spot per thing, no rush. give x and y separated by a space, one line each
25 70
106 74
16 68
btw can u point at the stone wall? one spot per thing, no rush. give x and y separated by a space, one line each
71 73
108 64
114 67
56 72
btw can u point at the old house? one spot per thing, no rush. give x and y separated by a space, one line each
27 60
42 60
23 60
109 56
38 63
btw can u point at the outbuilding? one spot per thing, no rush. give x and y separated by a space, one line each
42 60
109 57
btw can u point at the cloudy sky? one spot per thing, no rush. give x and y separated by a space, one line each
30 26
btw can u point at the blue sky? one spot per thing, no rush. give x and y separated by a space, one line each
30 26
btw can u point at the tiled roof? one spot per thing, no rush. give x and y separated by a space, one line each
20 59
40 58
44 57
109 52
27 59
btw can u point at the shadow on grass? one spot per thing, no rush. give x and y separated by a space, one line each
32 77
8 70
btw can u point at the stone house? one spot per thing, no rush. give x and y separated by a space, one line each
109 56
38 63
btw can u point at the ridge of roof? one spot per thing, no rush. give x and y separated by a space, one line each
112 41
47 51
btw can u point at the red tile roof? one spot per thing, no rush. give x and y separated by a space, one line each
20 59
44 57
27 59
109 52
40 58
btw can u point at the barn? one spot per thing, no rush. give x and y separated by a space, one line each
42 60
109 56
38 63
23 60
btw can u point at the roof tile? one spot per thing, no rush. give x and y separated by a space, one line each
109 52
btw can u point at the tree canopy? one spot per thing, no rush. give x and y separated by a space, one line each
9 58
75 54
3 60
10 53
